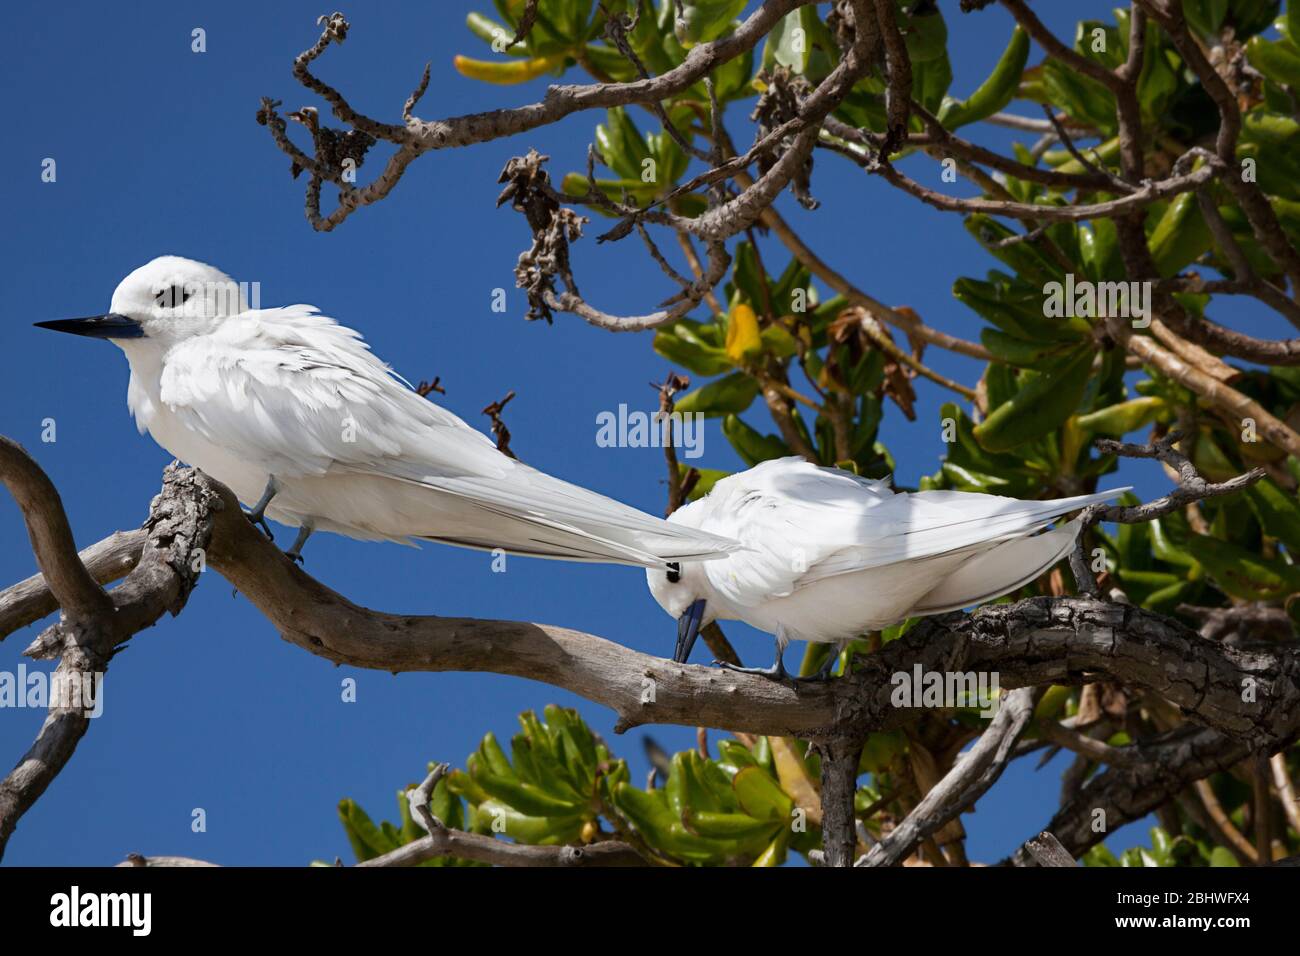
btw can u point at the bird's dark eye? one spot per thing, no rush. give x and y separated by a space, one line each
171 297
674 572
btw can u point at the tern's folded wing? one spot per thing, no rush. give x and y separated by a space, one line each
296 394
802 524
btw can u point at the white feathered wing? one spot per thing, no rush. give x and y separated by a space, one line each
358 452
827 554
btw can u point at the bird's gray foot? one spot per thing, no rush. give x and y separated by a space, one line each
257 515
294 553
776 672
259 522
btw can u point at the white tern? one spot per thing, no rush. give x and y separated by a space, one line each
294 414
827 556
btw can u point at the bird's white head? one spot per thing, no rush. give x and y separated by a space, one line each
166 300
683 590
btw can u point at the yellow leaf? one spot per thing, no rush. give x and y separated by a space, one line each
774 855
743 337
506 72
795 779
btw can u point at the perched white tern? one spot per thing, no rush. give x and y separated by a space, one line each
294 414
826 555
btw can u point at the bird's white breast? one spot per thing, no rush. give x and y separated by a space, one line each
151 414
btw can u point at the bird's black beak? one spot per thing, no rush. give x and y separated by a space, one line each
110 326
688 629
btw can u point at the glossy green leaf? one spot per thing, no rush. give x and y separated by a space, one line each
1041 405
760 796
730 394
1243 573
995 92
751 445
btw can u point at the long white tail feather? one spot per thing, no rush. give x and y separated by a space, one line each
1000 570
946 537
597 528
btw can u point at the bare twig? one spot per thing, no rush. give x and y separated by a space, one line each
1191 487
965 783
499 430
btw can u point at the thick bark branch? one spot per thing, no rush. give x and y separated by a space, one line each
76 591
1032 642
92 629
107 561
1120 795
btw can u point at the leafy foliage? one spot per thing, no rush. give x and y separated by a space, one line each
560 785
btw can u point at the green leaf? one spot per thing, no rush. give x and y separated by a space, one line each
488 30
1081 97
1124 417
1180 235
651 815
1099 249
620 144
1244 573
366 839
1041 405
1205 15
494 758
1248 17
1018 351
789 44
926 34
995 92
747 276
699 21
774 855
682 344
930 81
542 831
750 445
1278 513
1017 309
760 796
730 394
734 826
1222 856
1033 264
527 799
880 750
1277 61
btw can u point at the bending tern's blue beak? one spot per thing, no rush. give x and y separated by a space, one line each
688 629
110 326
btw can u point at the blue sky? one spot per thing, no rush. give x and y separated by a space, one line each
158 153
